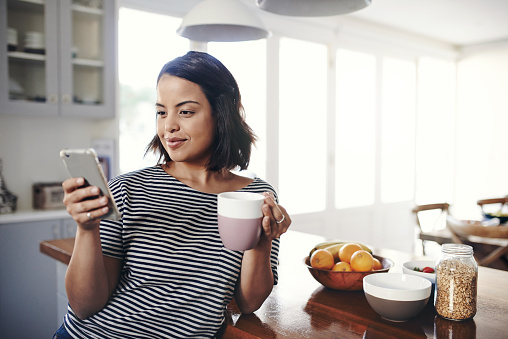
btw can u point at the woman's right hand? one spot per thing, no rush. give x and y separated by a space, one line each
91 276
84 203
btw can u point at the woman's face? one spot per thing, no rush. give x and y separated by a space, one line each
185 125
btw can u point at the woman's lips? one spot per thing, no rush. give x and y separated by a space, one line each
175 142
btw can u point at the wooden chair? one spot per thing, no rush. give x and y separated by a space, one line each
493 201
502 251
488 252
440 235
490 243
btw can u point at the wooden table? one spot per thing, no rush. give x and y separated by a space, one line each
299 307
496 235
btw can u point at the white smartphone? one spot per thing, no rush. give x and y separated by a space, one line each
85 164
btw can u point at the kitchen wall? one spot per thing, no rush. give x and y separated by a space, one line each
30 146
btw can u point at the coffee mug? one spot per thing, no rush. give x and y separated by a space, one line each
239 216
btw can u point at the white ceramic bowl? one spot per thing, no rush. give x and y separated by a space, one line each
397 296
408 268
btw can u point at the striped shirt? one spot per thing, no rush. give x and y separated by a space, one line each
177 278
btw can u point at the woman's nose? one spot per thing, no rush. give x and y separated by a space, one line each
171 124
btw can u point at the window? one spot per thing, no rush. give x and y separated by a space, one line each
358 139
355 129
142 55
247 62
393 137
435 131
302 127
398 130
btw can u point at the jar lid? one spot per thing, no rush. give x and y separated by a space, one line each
458 249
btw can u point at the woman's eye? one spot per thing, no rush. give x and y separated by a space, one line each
160 112
186 112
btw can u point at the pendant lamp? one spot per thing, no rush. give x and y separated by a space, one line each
222 20
312 7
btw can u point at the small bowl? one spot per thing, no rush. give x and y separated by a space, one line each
397 296
408 268
345 281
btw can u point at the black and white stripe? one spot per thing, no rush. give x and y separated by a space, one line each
177 277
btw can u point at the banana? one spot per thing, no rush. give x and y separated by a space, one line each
334 247
365 247
334 250
325 244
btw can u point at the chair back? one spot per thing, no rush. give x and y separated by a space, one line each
492 201
442 208
496 208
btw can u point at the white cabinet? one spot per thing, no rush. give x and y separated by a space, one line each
28 279
58 58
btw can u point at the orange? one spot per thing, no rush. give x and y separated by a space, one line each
342 266
322 259
377 265
362 261
347 251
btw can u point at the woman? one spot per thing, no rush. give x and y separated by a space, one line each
162 271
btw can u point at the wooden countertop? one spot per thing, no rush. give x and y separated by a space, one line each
299 307
60 249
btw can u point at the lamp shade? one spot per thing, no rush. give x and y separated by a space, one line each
222 20
312 7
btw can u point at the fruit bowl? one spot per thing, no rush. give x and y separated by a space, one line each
345 281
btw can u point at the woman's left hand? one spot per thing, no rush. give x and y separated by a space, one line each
256 277
276 220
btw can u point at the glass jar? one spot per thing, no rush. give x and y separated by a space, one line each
456 282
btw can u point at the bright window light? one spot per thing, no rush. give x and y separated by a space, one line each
355 129
247 62
302 127
435 132
398 130
142 51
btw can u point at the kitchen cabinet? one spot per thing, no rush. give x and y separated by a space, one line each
58 58
28 278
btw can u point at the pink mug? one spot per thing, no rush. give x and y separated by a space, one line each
239 217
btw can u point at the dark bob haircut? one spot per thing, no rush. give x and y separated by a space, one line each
233 137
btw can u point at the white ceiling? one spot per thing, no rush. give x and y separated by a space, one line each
459 22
